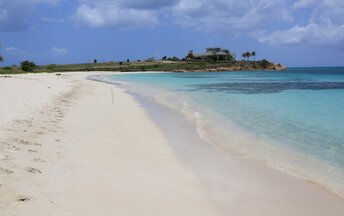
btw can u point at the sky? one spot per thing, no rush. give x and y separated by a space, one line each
291 32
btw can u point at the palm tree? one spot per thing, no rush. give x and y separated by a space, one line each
248 55
253 53
244 55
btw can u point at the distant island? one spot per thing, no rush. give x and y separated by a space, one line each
214 59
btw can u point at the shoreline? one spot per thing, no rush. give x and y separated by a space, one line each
274 185
75 154
253 148
89 157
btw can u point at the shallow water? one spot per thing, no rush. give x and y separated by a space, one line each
293 120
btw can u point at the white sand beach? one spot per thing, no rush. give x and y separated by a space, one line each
72 146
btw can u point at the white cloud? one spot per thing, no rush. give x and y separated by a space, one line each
16 51
311 33
11 49
325 26
59 52
224 15
112 13
146 4
309 21
208 15
305 3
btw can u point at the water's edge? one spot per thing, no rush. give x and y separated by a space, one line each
155 111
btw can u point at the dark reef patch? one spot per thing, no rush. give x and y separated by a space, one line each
266 87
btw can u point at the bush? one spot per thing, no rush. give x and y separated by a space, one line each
7 68
51 67
264 63
28 66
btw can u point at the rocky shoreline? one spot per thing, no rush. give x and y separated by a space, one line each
274 67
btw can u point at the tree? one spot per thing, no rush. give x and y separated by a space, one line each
244 56
253 53
164 58
264 63
28 66
95 61
190 55
248 55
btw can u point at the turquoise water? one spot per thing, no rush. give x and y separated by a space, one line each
293 120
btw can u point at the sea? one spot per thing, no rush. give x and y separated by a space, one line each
292 120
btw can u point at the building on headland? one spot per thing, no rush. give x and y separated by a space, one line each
212 53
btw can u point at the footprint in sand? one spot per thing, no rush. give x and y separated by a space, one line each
33 170
23 199
4 157
5 171
26 142
32 151
4 143
39 160
13 148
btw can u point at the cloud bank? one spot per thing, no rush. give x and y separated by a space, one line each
62 52
325 25
302 21
112 14
279 22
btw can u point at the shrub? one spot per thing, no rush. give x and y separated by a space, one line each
7 68
28 66
264 63
51 67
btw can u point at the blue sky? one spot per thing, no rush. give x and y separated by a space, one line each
291 32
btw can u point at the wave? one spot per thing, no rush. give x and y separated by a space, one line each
231 138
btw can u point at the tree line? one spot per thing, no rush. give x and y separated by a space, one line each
247 55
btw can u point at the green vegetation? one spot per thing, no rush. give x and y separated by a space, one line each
28 66
253 53
189 63
171 65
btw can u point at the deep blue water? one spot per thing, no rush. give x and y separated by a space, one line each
293 119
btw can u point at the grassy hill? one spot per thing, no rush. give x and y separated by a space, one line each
173 66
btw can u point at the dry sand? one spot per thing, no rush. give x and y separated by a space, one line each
71 146
81 154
